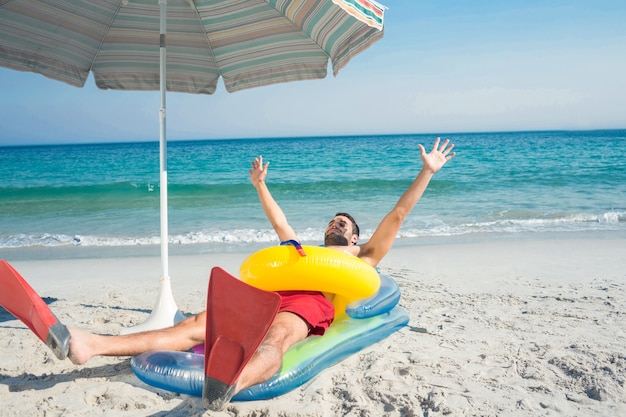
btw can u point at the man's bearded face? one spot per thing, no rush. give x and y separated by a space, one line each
338 232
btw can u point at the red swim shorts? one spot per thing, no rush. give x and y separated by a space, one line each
311 306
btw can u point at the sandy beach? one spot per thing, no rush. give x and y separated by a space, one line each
499 327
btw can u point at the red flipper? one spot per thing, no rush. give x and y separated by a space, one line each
238 318
19 299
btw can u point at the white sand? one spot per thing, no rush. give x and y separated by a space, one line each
499 328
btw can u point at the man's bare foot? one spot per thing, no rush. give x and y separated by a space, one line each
80 351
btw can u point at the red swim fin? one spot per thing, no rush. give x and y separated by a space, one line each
238 318
19 299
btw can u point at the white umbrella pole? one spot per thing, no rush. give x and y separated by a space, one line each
165 312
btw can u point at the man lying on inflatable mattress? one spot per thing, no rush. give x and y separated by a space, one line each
301 313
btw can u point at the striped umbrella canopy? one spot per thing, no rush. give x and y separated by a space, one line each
249 43
183 46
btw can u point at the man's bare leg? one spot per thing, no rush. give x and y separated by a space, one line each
286 330
182 336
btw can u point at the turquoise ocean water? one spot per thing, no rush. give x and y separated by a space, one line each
106 196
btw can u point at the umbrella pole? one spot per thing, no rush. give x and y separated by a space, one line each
165 312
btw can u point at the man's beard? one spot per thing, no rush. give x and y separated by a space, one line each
334 239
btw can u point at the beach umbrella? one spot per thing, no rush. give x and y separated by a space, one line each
183 46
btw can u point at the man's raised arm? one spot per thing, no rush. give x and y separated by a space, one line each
272 210
382 239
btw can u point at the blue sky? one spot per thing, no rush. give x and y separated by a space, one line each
443 66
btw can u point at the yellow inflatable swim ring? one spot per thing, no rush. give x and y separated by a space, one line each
284 268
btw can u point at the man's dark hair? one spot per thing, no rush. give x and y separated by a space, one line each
355 227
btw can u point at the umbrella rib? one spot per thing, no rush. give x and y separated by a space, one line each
297 29
206 36
113 17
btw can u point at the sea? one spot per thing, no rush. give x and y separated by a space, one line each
103 199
